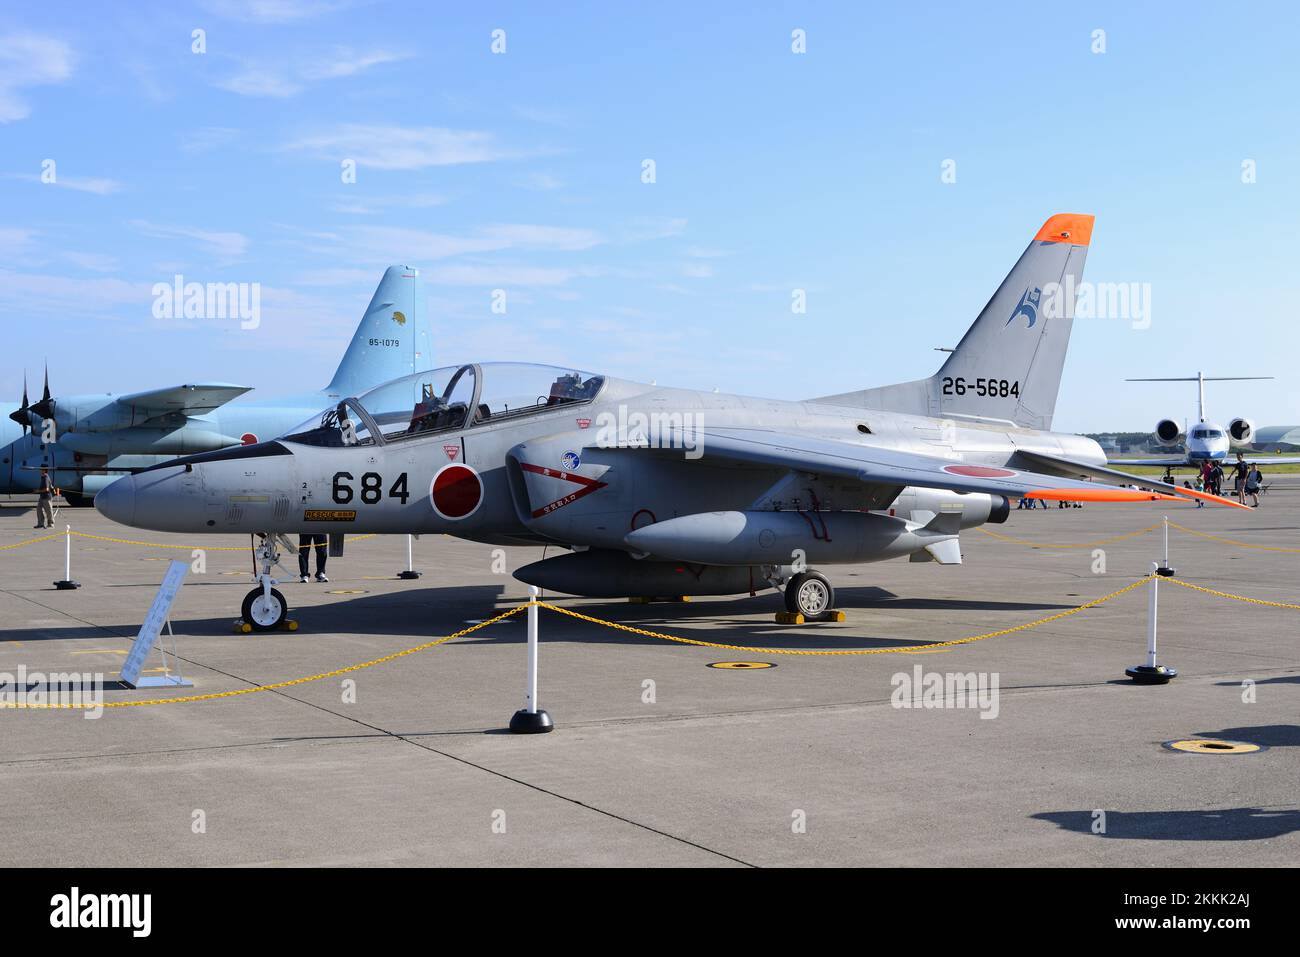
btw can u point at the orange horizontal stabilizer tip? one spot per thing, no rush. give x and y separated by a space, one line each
1101 495
1075 228
1210 497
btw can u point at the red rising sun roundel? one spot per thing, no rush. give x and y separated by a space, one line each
456 492
979 471
248 438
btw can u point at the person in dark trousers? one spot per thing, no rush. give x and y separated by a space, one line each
1216 479
305 543
1239 470
44 494
1254 479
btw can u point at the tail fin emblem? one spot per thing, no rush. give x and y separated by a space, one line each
400 318
1028 306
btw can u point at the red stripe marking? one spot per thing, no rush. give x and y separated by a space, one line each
589 485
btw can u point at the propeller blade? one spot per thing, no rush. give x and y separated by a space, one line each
20 414
45 408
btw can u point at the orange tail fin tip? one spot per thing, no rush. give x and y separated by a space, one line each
1074 228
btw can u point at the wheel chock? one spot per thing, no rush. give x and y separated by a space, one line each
794 618
242 627
289 624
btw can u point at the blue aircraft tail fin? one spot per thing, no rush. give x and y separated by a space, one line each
394 338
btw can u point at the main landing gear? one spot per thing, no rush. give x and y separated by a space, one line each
264 608
809 595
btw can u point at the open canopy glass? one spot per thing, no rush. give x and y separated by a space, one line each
448 399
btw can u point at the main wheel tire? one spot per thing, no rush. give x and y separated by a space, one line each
809 594
262 613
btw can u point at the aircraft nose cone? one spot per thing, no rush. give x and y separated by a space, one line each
117 501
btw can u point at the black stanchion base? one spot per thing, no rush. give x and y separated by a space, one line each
531 722
408 575
66 585
1146 675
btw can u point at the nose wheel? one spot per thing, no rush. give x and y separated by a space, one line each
810 594
264 610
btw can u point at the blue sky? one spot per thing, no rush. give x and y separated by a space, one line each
774 171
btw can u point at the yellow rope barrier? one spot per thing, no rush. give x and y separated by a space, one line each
278 684
644 632
32 541
1228 594
209 548
849 651
1232 541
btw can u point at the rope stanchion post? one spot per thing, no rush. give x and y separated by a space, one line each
409 573
532 720
1151 672
66 583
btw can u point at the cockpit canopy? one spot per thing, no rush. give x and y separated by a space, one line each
449 399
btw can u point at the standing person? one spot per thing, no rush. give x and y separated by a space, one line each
305 543
1216 479
1239 470
1254 478
45 491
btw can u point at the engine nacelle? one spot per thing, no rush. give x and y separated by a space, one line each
1241 431
1167 432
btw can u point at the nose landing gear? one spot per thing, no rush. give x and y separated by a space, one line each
264 608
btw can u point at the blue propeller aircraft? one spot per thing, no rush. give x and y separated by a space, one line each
89 441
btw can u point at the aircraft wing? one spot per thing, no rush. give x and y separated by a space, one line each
1262 459
872 464
185 399
1054 463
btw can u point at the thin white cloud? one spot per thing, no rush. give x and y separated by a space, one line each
14 240
94 262
346 62
539 180
697 270
280 81
273 11
371 205
99 185
257 81
517 235
208 137
69 296
226 245
400 147
504 276
653 227
27 59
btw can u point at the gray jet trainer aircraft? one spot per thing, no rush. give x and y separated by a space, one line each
666 492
